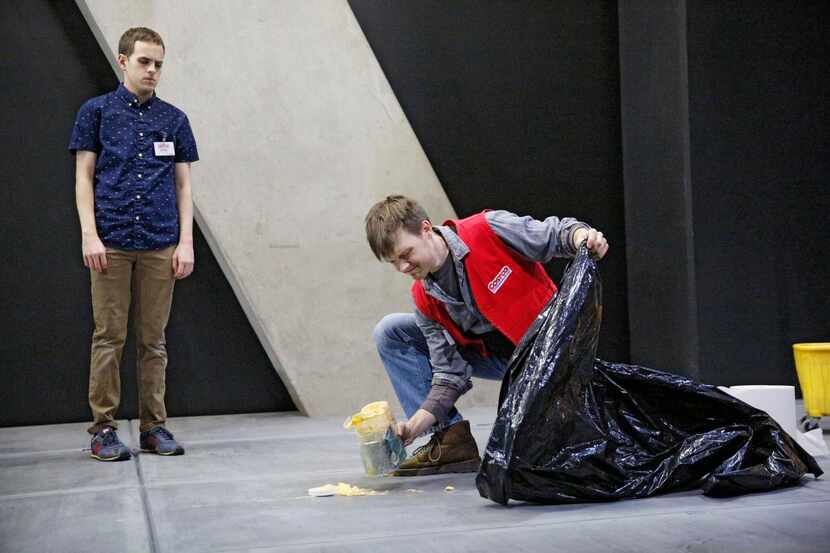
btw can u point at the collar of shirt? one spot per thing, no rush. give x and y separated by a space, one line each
465 313
131 99
458 249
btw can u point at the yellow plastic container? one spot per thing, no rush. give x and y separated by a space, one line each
380 448
812 363
374 418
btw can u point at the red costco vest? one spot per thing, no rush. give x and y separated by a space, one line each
509 290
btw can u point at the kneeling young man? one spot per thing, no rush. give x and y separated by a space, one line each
478 285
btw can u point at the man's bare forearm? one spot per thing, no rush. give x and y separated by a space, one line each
184 202
92 249
84 193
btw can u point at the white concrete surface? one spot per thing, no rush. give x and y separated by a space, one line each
299 134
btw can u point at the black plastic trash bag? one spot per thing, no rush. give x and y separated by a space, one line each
572 428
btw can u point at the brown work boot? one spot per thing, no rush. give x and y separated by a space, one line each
451 450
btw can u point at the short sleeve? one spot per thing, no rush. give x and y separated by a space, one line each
85 131
185 143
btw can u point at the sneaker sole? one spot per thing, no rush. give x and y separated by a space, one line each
122 457
177 452
463 466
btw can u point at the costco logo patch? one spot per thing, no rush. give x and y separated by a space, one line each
500 279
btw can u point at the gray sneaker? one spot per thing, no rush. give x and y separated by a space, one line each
106 446
159 440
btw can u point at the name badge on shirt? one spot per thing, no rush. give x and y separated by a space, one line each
164 148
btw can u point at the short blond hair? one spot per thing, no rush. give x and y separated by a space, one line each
126 44
388 216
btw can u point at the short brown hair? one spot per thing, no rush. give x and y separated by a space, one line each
386 217
126 44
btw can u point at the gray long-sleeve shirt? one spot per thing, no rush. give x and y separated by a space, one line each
535 240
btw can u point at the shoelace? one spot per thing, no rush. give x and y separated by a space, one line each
430 447
110 438
160 430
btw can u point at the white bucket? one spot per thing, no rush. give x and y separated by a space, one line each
779 403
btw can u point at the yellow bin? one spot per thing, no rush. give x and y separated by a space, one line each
812 363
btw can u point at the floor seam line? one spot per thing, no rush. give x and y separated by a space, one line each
65 491
42 453
145 499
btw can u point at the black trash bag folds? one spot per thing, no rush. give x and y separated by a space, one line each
573 428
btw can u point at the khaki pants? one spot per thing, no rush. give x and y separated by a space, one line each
146 276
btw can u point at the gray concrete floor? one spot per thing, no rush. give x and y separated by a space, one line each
242 486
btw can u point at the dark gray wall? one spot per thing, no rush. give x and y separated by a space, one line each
517 107
759 83
53 64
725 123
714 116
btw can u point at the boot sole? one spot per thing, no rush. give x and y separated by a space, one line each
463 466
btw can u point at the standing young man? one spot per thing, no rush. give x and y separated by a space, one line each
132 186
479 284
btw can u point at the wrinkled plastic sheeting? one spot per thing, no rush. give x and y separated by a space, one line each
573 428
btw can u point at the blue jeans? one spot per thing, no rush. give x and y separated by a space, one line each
405 355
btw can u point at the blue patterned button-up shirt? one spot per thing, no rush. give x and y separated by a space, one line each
135 190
